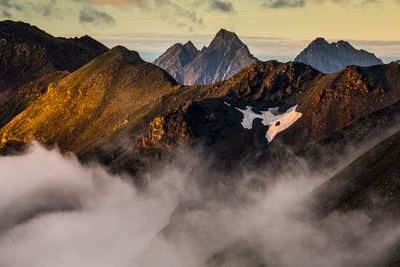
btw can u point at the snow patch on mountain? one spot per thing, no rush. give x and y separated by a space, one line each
276 122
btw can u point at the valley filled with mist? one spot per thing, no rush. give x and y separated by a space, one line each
56 211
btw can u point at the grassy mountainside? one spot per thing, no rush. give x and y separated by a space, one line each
14 102
29 57
92 103
371 182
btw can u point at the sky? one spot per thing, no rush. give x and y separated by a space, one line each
273 29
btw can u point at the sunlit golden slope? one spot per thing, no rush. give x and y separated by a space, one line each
91 103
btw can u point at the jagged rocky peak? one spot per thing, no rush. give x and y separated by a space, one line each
225 56
189 46
333 57
176 57
223 37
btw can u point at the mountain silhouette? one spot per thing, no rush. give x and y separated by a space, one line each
333 57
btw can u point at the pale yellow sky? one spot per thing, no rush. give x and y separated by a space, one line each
152 26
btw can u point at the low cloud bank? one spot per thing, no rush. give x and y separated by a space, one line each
56 212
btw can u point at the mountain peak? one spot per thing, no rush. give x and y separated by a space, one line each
225 56
124 54
319 42
224 39
333 57
191 48
189 44
344 44
226 35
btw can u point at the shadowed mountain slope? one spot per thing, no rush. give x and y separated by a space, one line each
371 182
64 54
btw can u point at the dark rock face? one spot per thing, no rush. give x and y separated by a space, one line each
225 56
334 57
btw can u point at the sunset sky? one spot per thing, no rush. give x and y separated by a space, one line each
273 29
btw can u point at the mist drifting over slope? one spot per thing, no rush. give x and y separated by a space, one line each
56 212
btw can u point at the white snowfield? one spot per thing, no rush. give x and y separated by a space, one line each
276 122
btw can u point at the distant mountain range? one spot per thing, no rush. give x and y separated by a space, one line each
227 55
224 57
333 57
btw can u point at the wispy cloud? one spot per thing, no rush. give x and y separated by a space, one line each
302 3
6 7
169 10
94 11
92 16
283 3
224 6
